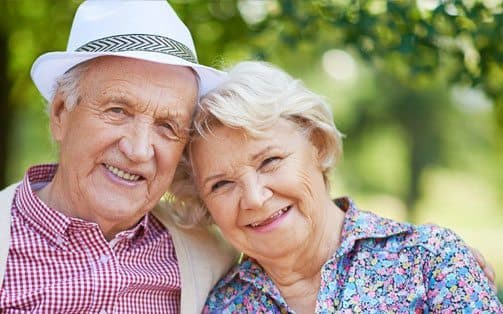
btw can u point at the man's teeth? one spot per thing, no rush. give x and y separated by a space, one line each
121 174
271 218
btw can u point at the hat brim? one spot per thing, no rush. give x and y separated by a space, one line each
49 66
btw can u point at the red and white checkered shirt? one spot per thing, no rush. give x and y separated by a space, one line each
59 264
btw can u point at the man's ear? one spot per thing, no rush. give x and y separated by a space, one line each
58 117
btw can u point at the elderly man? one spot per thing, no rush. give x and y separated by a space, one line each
86 235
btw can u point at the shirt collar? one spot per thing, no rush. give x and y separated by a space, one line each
360 225
250 271
51 223
357 225
135 234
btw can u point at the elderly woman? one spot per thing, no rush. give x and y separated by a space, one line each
259 163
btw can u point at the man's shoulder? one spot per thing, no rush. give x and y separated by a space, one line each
203 256
207 235
203 243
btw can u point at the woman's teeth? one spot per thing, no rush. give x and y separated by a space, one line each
122 174
270 218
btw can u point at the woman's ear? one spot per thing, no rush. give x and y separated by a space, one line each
58 117
316 137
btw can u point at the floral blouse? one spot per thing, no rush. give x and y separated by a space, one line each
381 266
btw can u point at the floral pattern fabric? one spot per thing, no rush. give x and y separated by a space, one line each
382 266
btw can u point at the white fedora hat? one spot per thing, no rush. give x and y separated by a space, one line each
143 29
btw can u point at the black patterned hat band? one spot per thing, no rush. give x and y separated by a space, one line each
140 42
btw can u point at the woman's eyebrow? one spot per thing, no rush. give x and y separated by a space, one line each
262 152
212 177
254 157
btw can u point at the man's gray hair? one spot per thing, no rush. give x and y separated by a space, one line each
68 85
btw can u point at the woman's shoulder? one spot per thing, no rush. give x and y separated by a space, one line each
380 233
432 237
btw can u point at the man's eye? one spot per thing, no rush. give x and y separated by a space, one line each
116 113
219 185
168 126
117 110
169 130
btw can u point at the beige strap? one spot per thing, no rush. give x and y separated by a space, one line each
6 199
203 257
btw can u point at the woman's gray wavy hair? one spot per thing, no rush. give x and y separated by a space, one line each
253 97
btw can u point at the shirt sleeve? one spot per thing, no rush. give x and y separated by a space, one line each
456 281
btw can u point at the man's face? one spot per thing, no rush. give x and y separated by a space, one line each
120 145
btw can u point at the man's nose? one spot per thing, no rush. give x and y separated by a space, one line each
137 144
254 193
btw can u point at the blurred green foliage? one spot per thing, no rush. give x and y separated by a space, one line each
456 42
423 109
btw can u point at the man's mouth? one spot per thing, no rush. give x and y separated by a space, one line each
271 218
124 174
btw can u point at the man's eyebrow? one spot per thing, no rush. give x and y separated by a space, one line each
169 114
119 99
172 116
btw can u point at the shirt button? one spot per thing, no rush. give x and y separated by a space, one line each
103 259
103 312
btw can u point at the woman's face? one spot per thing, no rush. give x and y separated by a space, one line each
266 194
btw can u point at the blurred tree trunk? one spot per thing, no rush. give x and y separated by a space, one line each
5 106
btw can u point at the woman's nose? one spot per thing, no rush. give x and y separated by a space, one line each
255 194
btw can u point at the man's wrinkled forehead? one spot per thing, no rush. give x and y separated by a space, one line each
137 82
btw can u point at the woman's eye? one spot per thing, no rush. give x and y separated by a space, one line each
269 161
219 185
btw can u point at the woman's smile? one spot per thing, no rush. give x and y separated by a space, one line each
270 222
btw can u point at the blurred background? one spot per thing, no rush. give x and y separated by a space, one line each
416 86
